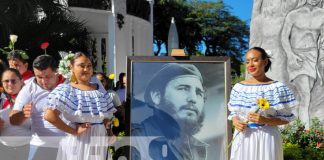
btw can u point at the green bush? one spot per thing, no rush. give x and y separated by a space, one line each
292 152
301 143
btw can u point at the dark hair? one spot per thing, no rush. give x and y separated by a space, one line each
121 76
3 67
105 78
80 54
15 71
43 62
264 56
13 55
119 84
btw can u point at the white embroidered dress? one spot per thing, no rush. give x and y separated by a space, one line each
76 107
260 142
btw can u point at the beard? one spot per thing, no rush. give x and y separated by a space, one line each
188 125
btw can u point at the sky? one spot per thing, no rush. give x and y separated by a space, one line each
240 8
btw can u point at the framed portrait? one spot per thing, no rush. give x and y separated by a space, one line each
178 107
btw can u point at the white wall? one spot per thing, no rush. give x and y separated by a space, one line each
119 44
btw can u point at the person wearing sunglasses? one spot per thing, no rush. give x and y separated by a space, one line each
14 139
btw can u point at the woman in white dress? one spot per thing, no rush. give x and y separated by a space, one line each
81 110
14 139
258 135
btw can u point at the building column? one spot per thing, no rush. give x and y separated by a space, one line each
111 41
151 21
98 54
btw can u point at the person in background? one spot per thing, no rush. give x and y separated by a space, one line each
19 62
14 139
121 87
81 109
105 82
120 113
30 104
258 135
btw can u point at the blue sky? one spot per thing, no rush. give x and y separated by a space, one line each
240 8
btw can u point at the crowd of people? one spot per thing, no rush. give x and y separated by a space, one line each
47 115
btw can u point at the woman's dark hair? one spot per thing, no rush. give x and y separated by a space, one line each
15 71
264 56
43 62
13 55
121 76
119 84
3 67
104 79
80 54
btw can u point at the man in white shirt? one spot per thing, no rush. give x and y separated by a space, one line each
29 104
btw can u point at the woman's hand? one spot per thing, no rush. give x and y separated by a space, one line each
257 118
53 116
238 124
82 128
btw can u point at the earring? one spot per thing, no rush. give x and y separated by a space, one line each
73 78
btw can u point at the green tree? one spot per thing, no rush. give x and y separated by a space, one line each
222 33
139 8
36 21
188 29
202 23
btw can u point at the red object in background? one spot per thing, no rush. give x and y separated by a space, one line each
44 45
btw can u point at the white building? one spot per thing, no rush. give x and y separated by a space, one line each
117 34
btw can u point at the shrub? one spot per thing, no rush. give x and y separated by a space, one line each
301 143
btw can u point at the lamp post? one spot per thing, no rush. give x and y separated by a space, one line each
151 2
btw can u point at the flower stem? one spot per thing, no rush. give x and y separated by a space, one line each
230 144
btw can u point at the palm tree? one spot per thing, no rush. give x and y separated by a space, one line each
36 21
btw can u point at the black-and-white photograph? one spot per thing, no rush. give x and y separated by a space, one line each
178 109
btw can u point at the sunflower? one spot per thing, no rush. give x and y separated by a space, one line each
263 103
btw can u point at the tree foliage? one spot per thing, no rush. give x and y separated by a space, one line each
202 23
138 8
36 21
187 28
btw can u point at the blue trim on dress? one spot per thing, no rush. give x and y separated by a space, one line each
290 115
274 99
244 106
254 125
90 123
263 84
280 89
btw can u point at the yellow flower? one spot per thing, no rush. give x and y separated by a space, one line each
116 122
111 76
263 103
